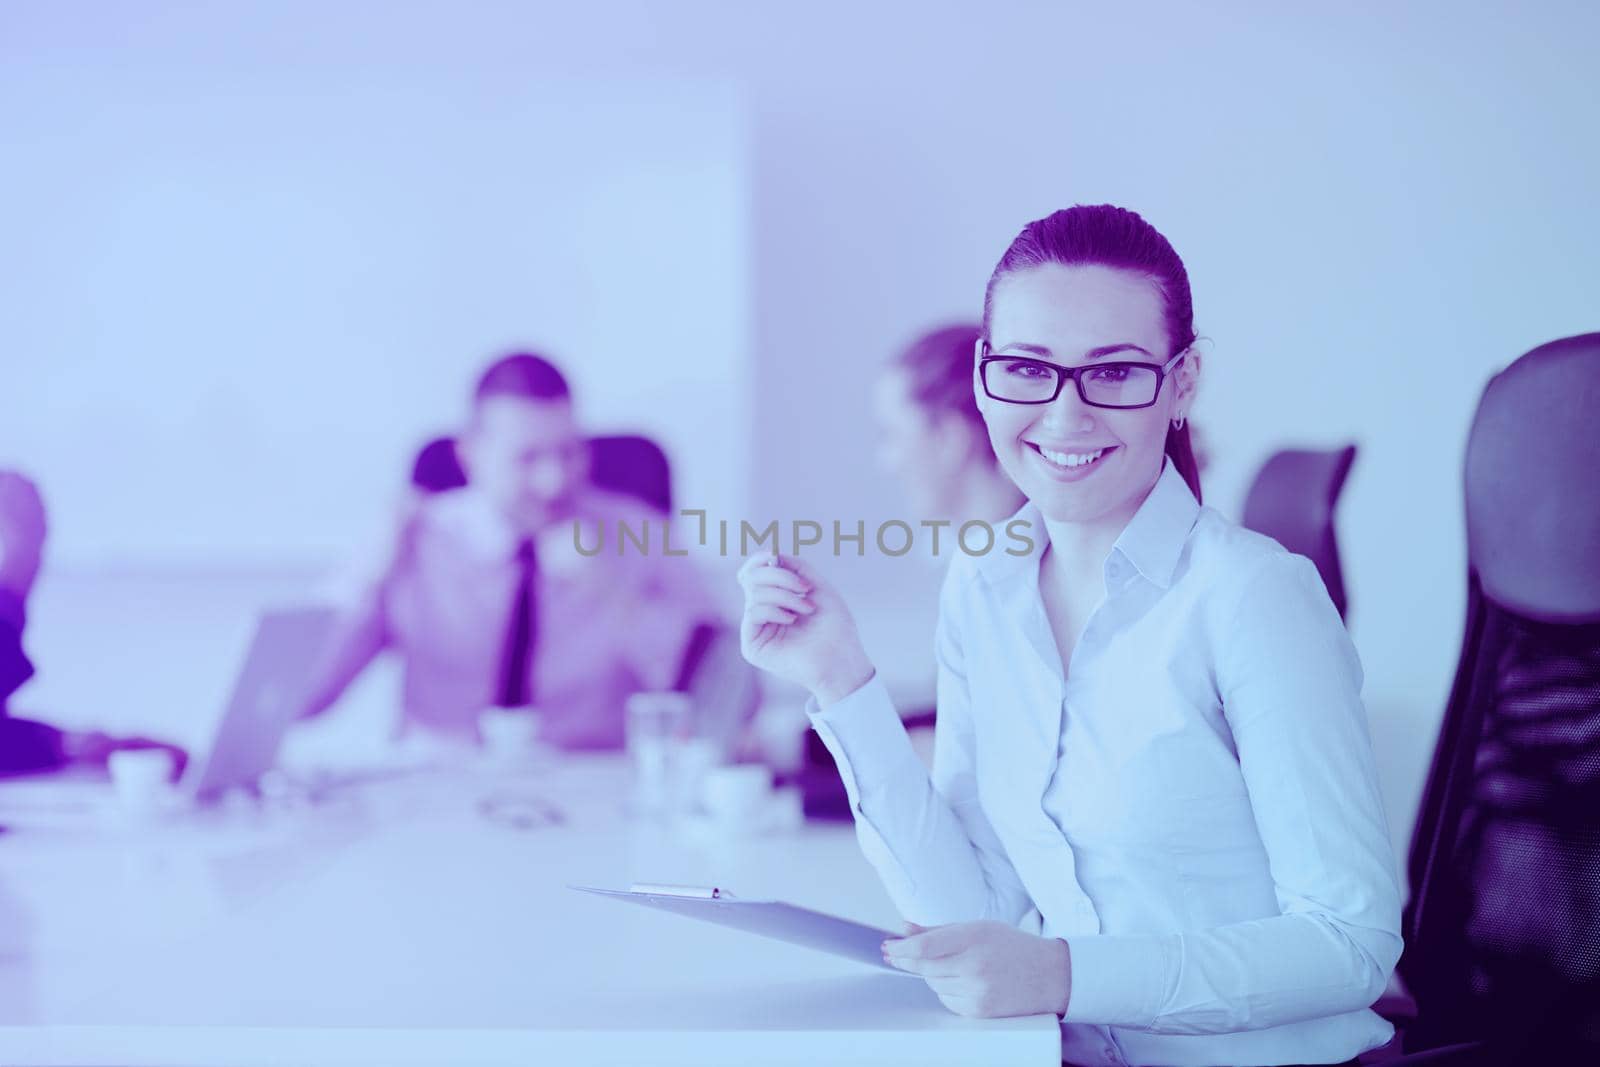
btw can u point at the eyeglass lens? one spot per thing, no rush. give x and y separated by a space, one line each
1115 385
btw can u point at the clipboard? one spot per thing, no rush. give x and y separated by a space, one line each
773 919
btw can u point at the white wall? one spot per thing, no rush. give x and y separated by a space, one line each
240 292
1378 207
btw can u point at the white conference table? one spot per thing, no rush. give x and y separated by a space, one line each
395 924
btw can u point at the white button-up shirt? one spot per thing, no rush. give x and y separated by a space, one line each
613 622
1193 807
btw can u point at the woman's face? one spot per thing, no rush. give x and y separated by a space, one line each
1073 316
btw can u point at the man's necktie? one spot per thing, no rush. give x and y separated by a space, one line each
522 633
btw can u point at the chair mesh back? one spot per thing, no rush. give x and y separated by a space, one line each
1533 466
1508 942
1503 929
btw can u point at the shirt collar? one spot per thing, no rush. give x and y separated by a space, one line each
470 515
1152 541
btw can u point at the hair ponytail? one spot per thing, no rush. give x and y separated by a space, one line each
1181 452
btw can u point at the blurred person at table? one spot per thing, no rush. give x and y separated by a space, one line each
487 600
28 746
931 436
933 443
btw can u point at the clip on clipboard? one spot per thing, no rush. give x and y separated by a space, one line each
766 918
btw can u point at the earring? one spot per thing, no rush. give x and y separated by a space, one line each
1178 423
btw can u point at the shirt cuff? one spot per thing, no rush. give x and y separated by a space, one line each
1119 980
867 739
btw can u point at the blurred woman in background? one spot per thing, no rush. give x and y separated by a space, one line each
932 442
932 438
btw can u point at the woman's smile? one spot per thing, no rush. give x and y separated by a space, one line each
1070 465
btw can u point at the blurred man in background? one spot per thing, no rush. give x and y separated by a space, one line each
489 603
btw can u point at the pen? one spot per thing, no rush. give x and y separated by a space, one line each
699 892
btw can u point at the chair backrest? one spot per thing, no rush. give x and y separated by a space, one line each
1503 926
1292 502
629 463
623 463
437 467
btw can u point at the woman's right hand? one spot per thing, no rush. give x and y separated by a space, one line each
797 626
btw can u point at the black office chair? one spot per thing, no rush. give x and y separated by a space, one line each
623 463
437 468
628 463
1292 502
1503 927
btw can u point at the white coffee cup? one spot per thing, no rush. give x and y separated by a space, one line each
736 794
141 777
509 734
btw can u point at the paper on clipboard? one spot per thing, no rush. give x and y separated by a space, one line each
769 918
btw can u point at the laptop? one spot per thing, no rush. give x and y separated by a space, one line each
723 689
272 684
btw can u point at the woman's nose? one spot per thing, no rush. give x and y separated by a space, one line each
1068 413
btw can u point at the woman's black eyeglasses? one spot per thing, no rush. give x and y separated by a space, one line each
1103 384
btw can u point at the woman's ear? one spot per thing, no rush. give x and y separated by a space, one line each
1187 380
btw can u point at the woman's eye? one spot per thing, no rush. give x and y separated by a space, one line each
1109 375
1027 370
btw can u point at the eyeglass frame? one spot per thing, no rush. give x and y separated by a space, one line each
1075 374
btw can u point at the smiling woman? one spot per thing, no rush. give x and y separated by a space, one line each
1150 735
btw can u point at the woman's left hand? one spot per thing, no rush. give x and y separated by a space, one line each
987 969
